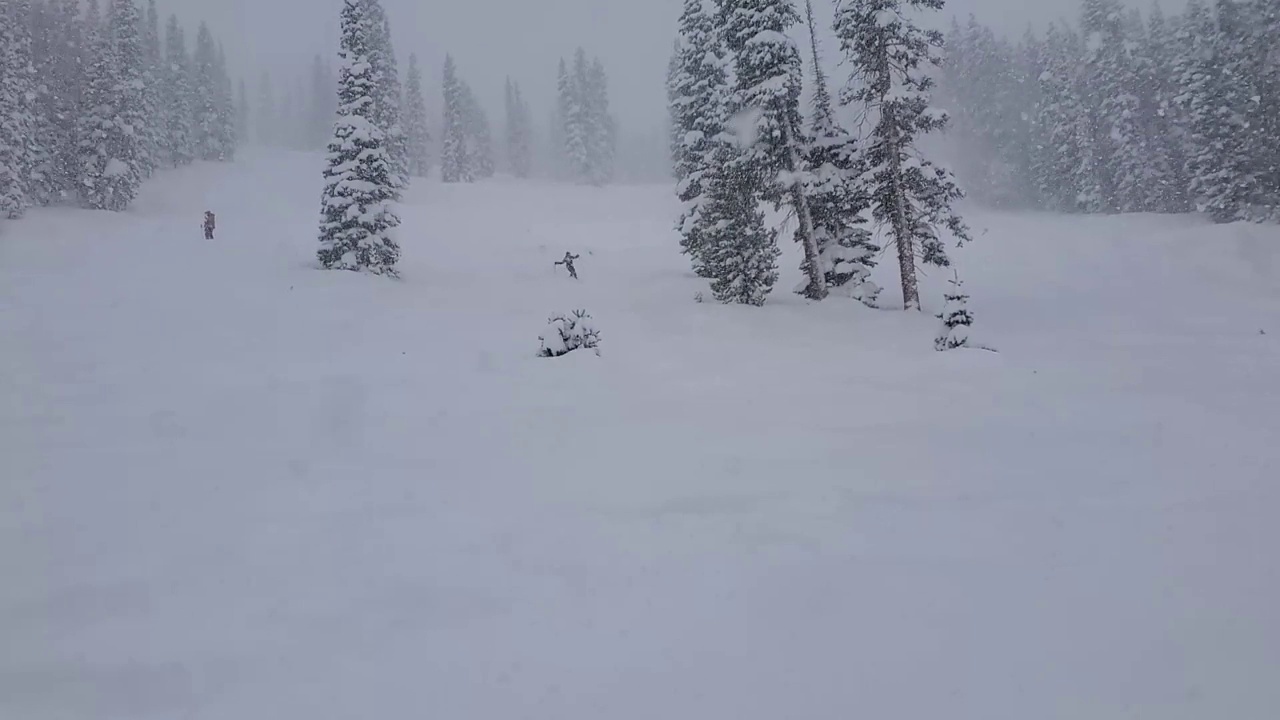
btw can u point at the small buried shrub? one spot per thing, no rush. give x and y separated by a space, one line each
568 333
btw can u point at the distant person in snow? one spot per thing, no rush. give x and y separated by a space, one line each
209 225
567 262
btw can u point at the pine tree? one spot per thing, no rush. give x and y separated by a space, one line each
1215 102
205 105
909 194
134 109
1029 65
62 78
17 120
109 144
674 69
769 76
153 134
1239 191
519 131
55 55
179 140
1166 183
739 252
698 92
386 96
1264 117
1061 118
558 127
577 159
39 27
357 217
455 163
1113 108
225 129
417 136
956 318
601 128
838 200
479 136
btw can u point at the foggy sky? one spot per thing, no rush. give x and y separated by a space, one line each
491 39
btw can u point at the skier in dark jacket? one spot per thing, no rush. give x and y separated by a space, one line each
209 225
567 262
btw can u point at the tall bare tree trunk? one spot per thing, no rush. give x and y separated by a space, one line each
817 289
818 76
903 234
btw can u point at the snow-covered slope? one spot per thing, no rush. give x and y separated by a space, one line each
237 487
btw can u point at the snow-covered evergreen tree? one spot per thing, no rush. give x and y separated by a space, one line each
838 199
62 80
40 181
1263 57
55 55
1215 102
1166 183
205 105
357 214
601 130
224 99
17 120
455 161
387 91
698 90
956 318
133 109
479 135
111 123
980 75
1259 53
766 97
673 79
1061 118
519 132
179 139
576 155
152 142
1115 135
559 125
910 195
739 253
417 136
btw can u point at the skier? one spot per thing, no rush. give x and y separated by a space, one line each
567 262
209 225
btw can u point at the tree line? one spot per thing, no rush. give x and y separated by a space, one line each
1121 113
93 102
740 141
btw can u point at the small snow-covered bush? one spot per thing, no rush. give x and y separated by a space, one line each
956 319
568 333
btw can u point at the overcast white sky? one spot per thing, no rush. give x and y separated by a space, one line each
523 38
